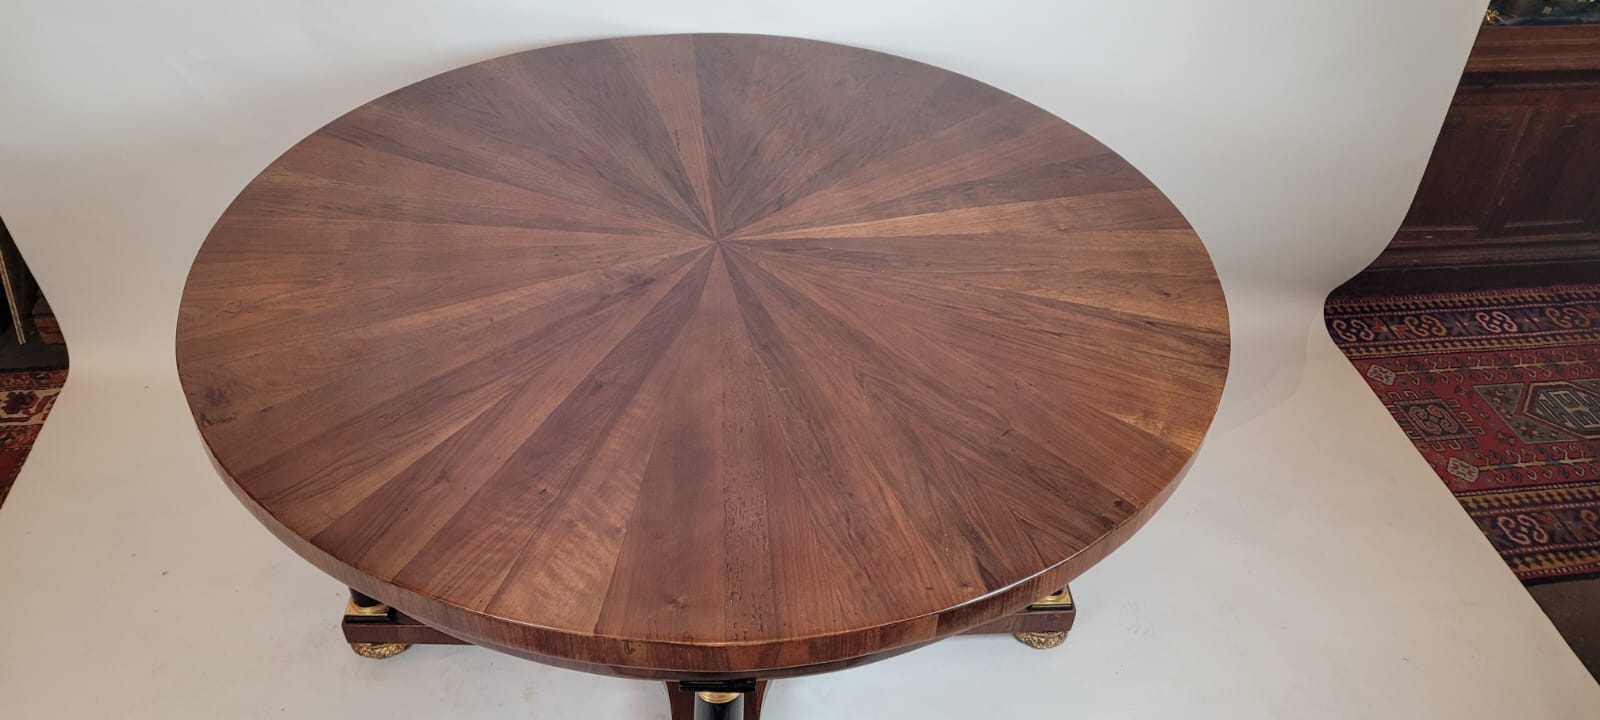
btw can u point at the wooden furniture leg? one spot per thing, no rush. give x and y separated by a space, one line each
364 611
1043 625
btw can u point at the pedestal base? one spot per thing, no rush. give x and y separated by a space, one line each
380 624
716 701
375 630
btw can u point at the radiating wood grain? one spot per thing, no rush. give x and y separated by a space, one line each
702 356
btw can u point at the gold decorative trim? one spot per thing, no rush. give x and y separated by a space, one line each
1041 640
379 651
1059 598
717 698
351 609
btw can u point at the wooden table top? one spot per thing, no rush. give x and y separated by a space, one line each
702 356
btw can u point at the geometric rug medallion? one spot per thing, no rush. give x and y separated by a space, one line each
1500 392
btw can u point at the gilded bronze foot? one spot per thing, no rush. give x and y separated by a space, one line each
1041 640
379 651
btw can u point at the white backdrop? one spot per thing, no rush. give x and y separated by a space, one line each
1310 566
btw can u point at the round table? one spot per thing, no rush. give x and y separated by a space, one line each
702 357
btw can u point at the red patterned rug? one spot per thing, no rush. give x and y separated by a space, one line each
25 398
1500 392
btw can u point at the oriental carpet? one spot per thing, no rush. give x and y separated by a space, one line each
25 399
1500 392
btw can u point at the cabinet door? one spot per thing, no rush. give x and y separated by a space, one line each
1458 197
1556 188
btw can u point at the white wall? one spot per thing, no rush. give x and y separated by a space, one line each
1291 134
1309 567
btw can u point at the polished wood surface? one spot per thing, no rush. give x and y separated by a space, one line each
702 356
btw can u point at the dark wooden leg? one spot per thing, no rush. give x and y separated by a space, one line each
737 700
362 600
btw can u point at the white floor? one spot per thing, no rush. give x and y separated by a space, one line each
1309 567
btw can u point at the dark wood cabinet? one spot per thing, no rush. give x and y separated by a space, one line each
1515 175
1476 151
1558 187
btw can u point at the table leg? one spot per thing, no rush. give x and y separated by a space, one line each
735 700
1044 640
364 609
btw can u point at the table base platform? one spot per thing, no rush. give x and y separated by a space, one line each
378 631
